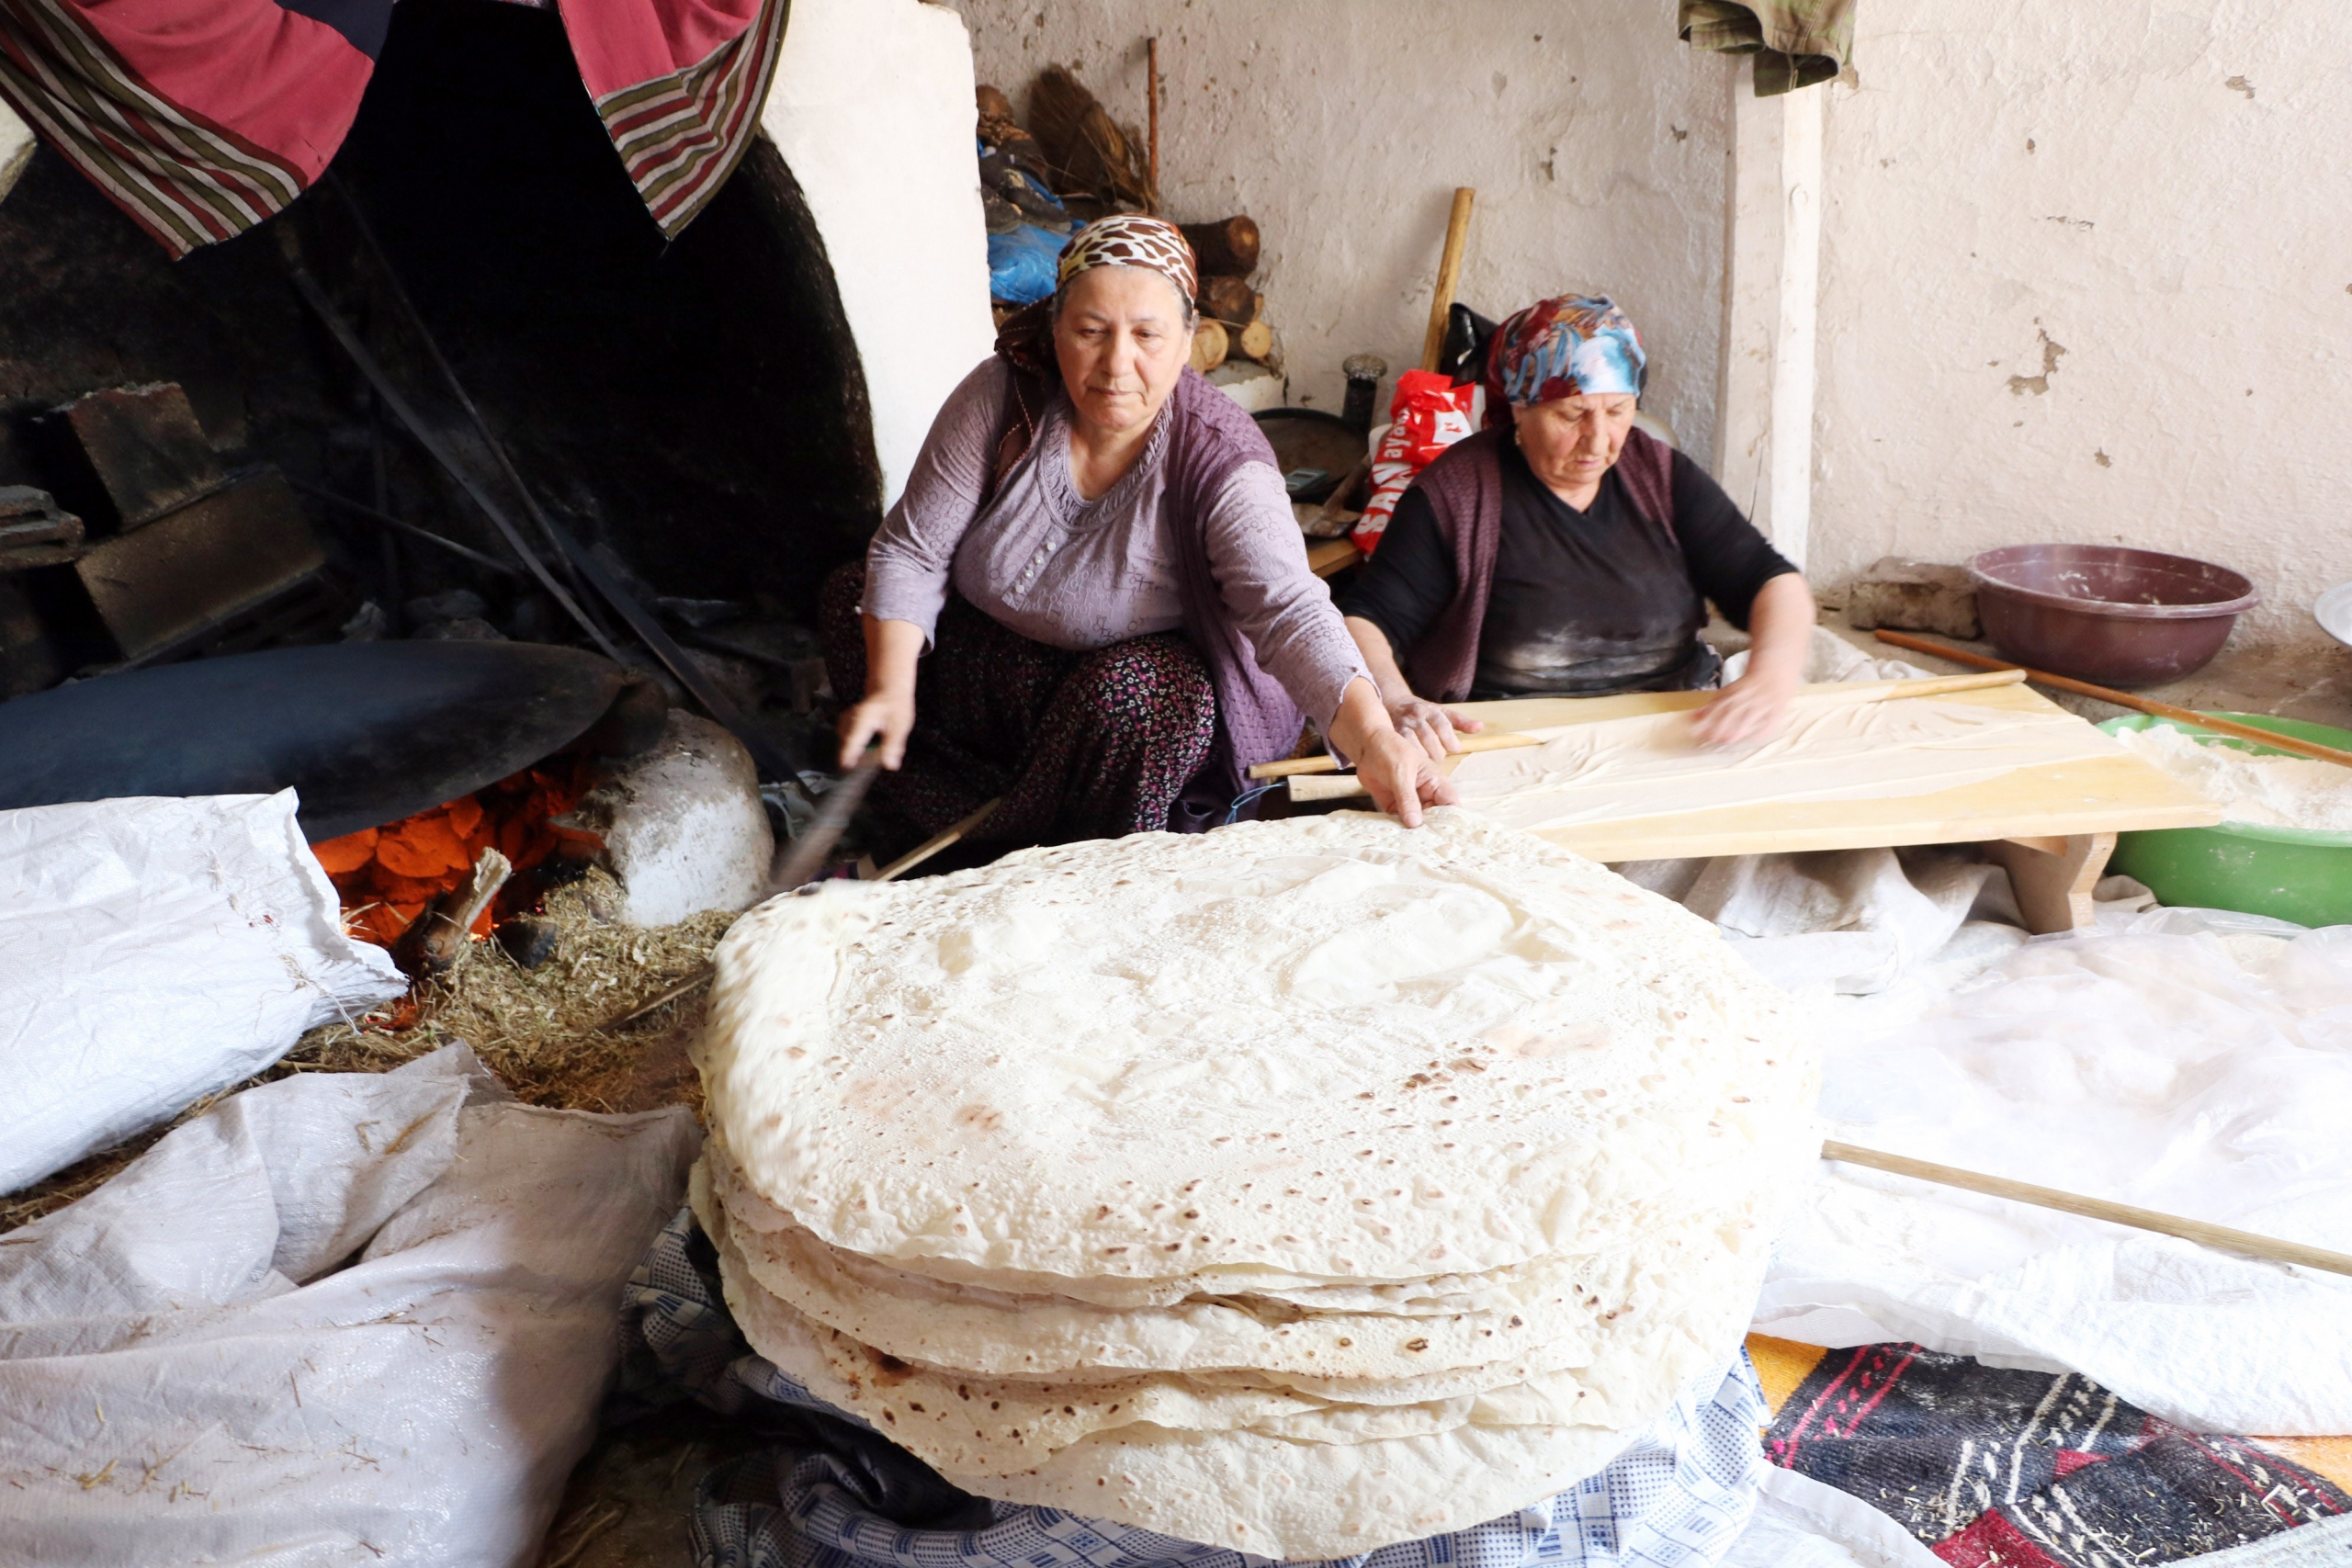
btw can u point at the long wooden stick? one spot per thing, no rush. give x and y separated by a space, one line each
386 519
693 982
1497 741
948 835
905 863
1860 692
2301 748
1151 71
2224 1237
1449 274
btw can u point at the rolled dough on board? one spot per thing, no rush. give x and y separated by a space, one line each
1618 769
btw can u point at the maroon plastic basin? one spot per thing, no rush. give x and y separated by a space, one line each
2103 613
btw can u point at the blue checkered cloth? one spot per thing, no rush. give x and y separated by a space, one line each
829 1492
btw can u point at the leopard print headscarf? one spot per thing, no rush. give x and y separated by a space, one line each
1124 239
1130 239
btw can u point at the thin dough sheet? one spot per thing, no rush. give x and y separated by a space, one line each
1622 768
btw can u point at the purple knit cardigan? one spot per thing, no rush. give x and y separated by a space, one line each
1210 436
1465 487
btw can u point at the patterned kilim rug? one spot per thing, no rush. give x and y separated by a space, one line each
2002 1469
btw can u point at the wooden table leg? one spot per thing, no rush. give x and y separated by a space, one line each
2054 877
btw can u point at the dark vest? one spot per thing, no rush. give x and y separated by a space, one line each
1465 487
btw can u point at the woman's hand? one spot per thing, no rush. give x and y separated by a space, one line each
1402 779
1432 725
887 712
886 716
1425 723
1399 773
1754 707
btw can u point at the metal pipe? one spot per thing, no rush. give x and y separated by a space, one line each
341 331
386 519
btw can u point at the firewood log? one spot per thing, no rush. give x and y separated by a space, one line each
434 941
1210 346
1228 300
1228 247
1255 341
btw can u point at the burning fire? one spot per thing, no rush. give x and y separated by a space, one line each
387 875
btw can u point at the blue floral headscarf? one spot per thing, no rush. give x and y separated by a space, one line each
1559 348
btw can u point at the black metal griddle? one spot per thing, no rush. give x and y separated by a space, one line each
368 732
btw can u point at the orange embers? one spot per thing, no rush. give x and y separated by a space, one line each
387 875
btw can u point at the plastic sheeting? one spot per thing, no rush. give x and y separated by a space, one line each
2195 1064
340 1318
152 952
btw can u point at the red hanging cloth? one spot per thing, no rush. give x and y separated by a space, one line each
202 118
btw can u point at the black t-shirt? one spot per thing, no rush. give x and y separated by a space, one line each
1582 602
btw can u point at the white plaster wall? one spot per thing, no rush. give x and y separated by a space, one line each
16 146
2086 274
871 108
1596 143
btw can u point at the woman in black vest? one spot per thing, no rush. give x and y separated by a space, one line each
1561 552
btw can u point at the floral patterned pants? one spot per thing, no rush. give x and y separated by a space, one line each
1092 745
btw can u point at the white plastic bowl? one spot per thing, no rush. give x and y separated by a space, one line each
2333 613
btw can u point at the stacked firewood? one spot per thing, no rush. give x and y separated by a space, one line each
1093 166
1233 315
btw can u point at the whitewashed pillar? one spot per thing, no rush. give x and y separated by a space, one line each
1771 288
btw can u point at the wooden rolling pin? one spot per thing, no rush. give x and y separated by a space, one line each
1498 740
1860 692
2310 749
2198 1230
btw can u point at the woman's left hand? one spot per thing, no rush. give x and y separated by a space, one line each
1754 707
1436 729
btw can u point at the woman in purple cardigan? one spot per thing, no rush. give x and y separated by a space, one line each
1561 552
1093 599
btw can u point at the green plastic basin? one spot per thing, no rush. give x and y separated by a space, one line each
2288 874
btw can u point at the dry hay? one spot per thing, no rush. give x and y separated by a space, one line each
538 1030
1091 153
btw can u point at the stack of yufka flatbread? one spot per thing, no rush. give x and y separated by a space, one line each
1299 1187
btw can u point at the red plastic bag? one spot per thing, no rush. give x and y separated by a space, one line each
1429 413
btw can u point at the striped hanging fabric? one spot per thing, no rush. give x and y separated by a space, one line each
202 118
679 84
198 118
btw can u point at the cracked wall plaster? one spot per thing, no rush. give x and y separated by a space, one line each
2083 277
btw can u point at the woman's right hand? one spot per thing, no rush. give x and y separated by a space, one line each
883 717
1432 725
888 711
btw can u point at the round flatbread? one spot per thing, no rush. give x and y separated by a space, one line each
1327 1049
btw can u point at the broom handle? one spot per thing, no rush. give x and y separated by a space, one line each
2310 749
1449 275
2269 1248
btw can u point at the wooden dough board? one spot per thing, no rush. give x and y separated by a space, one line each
2069 812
